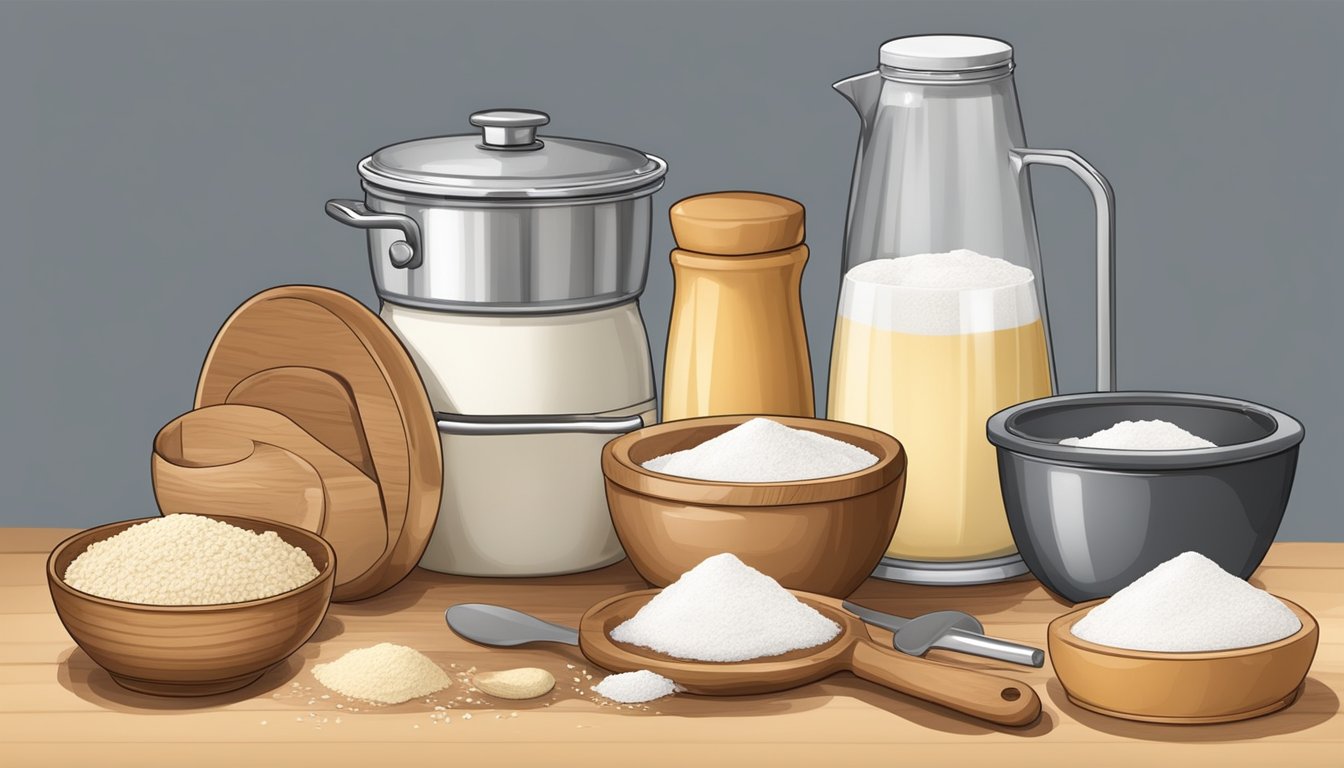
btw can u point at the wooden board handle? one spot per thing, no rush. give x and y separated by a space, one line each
997 699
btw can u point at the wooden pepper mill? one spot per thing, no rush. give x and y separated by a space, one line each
736 343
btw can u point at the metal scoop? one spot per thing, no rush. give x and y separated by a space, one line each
950 631
503 627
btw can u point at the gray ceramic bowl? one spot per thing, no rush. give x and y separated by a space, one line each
1089 521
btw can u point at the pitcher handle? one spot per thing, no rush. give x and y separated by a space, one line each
1104 199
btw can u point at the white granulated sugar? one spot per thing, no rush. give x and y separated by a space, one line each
384 674
189 560
1188 604
725 610
939 294
635 687
1147 435
764 451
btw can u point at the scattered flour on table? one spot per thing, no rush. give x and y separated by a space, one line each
1147 435
189 560
1188 603
635 687
384 674
764 451
725 610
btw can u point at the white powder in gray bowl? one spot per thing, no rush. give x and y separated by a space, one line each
1188 604
1144 435
725 610
764 451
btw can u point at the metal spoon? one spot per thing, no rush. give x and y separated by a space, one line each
499 626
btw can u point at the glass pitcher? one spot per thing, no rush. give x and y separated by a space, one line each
941 167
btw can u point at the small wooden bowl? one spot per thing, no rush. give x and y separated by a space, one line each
822 536
1192 688
191 650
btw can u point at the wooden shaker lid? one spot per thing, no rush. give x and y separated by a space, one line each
737 223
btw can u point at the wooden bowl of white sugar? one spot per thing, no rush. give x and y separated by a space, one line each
186 649
1181 687
822 534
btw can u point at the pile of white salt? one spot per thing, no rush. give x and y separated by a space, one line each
635 687
764 451
1187 604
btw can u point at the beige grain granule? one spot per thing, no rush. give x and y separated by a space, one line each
189 560
523 683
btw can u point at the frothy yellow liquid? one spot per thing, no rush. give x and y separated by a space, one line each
934 394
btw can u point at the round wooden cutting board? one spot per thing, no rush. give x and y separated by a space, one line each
334 368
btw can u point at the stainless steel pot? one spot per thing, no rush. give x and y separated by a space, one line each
505 221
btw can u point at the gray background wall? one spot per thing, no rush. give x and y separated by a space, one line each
162 162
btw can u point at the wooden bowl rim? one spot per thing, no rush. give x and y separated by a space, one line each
620 469
324 574
1060 629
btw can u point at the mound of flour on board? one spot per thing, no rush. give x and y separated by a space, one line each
725 610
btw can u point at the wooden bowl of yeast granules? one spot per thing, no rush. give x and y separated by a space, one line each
823 533
191 605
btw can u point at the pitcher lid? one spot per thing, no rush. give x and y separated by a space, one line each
945 53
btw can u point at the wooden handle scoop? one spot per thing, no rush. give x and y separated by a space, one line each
988 697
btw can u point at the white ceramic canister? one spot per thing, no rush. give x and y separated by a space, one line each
524 405
510 265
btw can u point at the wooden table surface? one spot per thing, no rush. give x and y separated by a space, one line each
58 708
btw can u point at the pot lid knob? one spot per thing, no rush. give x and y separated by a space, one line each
509 129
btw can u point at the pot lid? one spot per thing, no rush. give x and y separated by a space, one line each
507 159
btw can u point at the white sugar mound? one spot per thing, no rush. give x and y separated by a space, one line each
1188 604
189 560
725 610
764 451
1146 435
384 674
635 687
938 294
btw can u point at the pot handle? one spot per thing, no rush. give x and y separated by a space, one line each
461 424
404 254
1104 199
